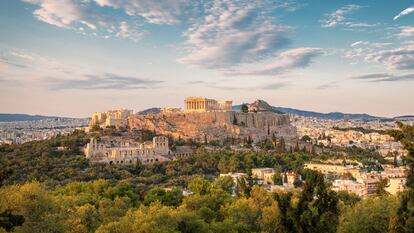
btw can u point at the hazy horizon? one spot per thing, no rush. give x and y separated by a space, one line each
75 57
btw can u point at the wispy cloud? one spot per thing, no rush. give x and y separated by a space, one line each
286 61
339 17
274 86
406 31
156 12
385 77
265 87
195 82
233 33
104 81
81 17
326 86
399 58
7 61
407 11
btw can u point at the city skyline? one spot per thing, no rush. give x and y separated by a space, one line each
75 57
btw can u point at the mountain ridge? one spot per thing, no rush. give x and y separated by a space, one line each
9 117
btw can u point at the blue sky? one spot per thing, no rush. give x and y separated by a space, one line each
74 57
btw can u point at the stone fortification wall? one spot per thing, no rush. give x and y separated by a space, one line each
216 125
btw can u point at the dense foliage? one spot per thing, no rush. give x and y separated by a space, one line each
44 188
404 221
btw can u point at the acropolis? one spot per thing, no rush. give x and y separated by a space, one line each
199 104
204 119
110 118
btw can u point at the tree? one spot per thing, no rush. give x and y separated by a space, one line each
32 203
96 128
347 198
226 183
381 185
200 186
8 220
404 221
173 197
277 179
281 146
370 215
317 209
296 149
306 138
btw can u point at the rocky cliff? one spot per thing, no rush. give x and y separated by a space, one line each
216 125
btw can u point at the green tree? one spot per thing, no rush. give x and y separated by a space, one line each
306 138
226 183
200 186
317 209
277 179
281 146
370 215
381 186
404 221
172 197
35 204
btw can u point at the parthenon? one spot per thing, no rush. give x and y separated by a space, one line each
199 104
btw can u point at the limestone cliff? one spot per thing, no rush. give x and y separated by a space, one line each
216 125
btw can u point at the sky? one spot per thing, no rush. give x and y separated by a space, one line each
76 57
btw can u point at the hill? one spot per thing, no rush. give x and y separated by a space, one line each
7 117
149 111
330 116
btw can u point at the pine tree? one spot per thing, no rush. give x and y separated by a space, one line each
281 147
297 146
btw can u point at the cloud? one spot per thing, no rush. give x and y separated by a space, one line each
105 81
358 43
156 12
61 13
385 77
286 61
371 76
359 24
274 86
126 31
84 18
195 82
367 43
326 86
233 33
266 87
399 58
406 31
8 62
404 12
338 17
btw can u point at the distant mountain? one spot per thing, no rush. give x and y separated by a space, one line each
330 116
149 111
406 118
7 117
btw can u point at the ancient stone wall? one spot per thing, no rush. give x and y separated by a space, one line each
216 125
